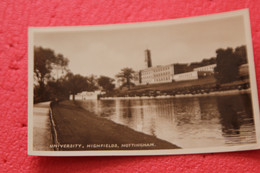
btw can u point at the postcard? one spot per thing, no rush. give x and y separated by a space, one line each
167 87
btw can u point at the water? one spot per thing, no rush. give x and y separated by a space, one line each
192 122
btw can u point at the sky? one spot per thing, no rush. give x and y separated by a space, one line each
107 51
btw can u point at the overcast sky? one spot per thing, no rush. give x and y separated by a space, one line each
105 52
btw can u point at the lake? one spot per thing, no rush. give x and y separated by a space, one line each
191 122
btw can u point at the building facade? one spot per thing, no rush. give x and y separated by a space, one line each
193 75
158 74
137 78
147 76
208 68
169 73
164 74
86 95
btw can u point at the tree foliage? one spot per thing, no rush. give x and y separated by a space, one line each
204 62
92 83
44 62
57 89
106 83
70 85
126 75
241 52
227 69
185 67
76 84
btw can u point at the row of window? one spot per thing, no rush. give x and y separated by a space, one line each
185 75
156 74
207 68
162 69
147 81
146 73
162 74
150 71
147 77
162 79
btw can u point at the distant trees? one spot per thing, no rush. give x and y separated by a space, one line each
126 75
204 62
185 67
106 83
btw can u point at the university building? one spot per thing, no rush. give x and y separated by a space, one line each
158 74
168 73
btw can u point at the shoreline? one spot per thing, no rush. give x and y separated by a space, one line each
216 93
81 130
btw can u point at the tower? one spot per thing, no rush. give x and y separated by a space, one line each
148 59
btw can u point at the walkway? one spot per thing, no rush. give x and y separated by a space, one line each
42 137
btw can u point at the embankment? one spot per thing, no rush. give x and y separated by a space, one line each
78 129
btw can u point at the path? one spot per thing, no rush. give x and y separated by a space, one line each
42 137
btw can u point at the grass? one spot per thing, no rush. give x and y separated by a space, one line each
75 125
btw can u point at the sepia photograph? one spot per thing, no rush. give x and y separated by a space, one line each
176 86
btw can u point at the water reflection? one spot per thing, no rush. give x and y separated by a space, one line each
187 122
236 119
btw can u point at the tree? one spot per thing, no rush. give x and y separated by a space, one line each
227 69
92 83
126 75
44 62
106 83
241 52
57 89
76 84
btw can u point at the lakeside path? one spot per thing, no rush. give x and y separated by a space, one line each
75 125
42 137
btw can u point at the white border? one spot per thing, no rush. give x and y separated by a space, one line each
254 95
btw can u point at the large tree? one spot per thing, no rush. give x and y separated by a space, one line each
106 83
227 69
45 61
126 75
76 84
